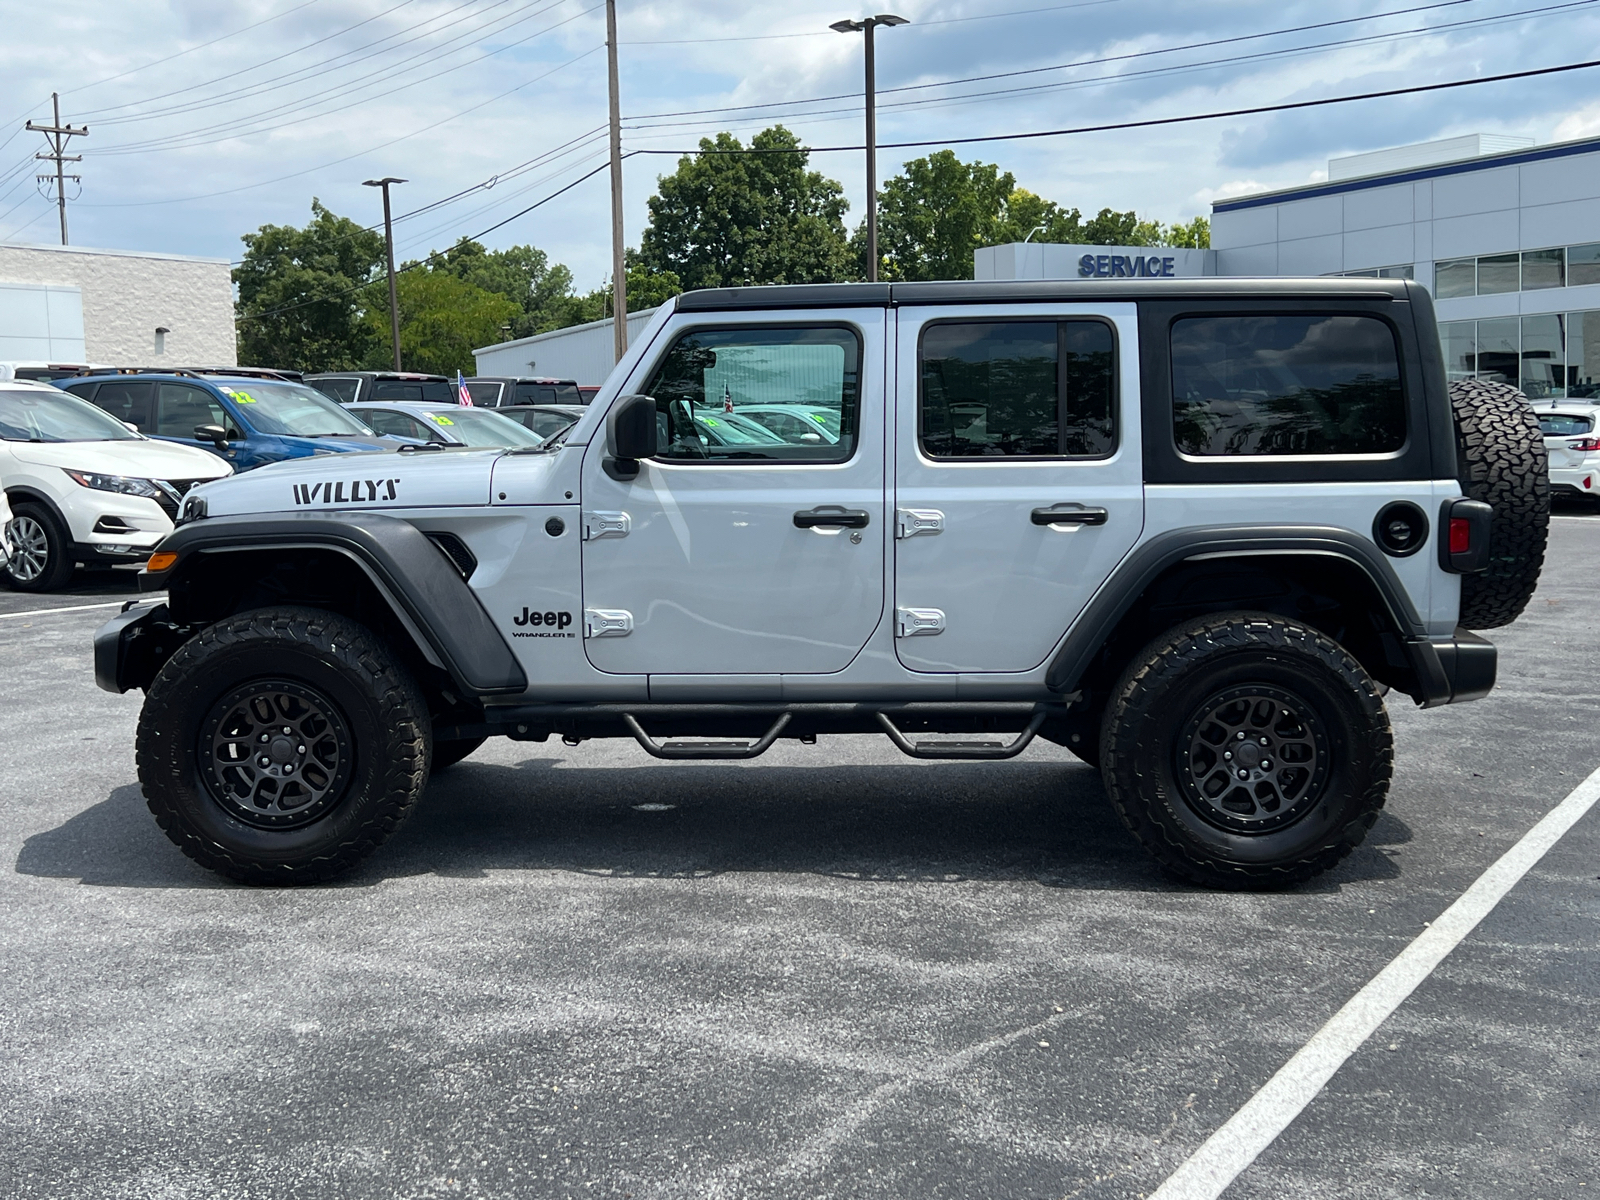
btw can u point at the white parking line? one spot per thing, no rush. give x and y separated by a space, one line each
45 612
1231 1149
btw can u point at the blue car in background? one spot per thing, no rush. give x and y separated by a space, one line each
247 421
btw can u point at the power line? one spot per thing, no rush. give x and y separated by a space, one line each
1089 62
234 127
1154 121
350 291
771 37
1180 68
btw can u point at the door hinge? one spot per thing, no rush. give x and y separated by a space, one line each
909 522
607 622
918 622
597 525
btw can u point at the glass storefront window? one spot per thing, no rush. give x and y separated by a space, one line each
1583 355
1498 273
1583 264
1543 269
1455 277
1458 340
1499 351
1405 272
1544 373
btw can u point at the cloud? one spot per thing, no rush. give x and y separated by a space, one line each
188 152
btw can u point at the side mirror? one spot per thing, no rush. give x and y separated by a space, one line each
630 435
215 434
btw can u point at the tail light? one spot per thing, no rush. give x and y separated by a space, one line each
1464 548
1585 444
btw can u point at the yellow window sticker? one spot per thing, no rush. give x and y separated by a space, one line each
819 418
244 397
441 419
710 421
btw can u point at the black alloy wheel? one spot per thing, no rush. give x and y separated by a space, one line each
1246 750
283 745
278 754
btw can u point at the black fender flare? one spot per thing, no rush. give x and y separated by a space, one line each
420 584
1147 561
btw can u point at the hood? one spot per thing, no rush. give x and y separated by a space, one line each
431 479
139 458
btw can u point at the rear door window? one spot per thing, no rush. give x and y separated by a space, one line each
180 408
1294 384
342 390
1018 389
130 402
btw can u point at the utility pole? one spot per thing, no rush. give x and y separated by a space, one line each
867 25
56 135
388 249
619 266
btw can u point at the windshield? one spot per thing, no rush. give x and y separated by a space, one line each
729 429
30 416
480 427
292 410
1564 424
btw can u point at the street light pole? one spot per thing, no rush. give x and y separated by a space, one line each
867 25
619 261
388 249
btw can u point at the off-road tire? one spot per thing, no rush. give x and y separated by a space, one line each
1501 459
377 704
447 752
1159 698
58 564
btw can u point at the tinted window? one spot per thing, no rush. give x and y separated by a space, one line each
438 392
342 390
181 407
1544 269
707 374
1286 385
1498 273
1564 425
1455 277
398 425
129 402
1583 264
1017 389
486 394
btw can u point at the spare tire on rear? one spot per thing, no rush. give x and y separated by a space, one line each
1500 459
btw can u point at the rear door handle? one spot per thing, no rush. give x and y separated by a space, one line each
1069 514
831 516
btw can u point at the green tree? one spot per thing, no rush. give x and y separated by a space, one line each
301 296
727 217
934 214
1195 234
542 291
443 318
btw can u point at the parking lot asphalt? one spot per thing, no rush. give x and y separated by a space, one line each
830 972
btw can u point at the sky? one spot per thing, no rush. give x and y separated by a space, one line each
210 118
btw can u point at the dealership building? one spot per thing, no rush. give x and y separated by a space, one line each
1505 234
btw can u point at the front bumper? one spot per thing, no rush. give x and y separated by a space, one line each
130 648
1453 670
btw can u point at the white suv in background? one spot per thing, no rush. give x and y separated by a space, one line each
1574 450
83 487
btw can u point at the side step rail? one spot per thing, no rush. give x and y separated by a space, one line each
705 749
987 748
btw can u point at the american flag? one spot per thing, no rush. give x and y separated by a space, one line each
461 390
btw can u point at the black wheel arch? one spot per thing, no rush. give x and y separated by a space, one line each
381 571
1326 577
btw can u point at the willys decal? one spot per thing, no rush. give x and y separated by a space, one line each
333 491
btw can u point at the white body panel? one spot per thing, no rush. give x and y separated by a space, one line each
1007 587
386 481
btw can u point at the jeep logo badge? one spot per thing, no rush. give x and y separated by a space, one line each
549 624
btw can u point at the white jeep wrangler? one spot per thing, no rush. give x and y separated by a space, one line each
1192 530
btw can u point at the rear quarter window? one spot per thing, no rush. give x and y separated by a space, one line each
1288 384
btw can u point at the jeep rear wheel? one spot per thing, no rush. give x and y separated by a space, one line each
1501 459
1246 751
282 746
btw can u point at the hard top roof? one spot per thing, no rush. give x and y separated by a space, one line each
408 376
1023 291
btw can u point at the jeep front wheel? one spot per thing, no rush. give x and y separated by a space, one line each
282 746
1246 751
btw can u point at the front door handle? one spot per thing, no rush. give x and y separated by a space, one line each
831 516
1069 514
